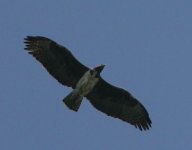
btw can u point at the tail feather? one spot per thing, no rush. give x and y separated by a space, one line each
73 100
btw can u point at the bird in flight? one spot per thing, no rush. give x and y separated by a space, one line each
86 82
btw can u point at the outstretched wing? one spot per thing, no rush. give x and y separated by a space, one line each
58 60
120 104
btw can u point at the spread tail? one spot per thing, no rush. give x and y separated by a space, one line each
73 100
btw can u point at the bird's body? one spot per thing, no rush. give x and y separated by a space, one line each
86 82
83 87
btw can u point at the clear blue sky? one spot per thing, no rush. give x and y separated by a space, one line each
147 47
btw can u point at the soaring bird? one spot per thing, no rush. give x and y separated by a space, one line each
86 82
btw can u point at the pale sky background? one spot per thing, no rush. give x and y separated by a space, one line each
147 49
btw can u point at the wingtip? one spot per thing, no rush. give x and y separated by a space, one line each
28 37
28 40
143 125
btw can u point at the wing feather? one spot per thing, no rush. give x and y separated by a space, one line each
57 59
118 103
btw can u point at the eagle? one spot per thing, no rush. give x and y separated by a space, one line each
86 82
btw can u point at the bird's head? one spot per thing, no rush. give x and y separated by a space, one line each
97 70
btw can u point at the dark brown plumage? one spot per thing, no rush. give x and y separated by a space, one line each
64 67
